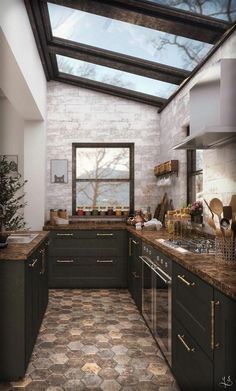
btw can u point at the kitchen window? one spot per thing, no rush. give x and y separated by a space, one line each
195 175
103 176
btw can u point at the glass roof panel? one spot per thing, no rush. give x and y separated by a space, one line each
218 9
126 38
114 77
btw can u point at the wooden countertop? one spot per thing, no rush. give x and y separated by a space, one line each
86 225
20 252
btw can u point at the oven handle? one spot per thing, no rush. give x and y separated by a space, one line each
146 260
156 269
167 282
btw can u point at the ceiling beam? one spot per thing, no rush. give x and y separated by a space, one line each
34 11
111 90
154 16
118 61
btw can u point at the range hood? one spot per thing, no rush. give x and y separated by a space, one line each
212 108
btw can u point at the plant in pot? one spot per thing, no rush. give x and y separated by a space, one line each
11 200
196 210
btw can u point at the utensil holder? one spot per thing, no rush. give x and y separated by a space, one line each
225 249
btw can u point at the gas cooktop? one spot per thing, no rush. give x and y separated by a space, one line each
198 245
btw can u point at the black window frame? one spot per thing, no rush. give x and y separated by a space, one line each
192 172
104 145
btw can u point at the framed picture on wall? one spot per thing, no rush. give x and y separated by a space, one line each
59 171
13 161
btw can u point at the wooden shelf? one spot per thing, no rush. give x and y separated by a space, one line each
166 168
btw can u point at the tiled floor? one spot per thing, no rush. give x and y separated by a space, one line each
94 340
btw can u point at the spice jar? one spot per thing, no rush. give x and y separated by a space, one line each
125 211
118 211
95 211
87 210
80 211
110 211
103 210
53 215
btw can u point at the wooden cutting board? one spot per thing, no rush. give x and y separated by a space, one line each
233 203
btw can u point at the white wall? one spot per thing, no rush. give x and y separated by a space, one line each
11 133
23 82
219 165
81 115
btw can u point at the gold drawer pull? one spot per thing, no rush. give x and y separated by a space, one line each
42 252
33 263
130 247
65 234
104 234
183 279
189 350
105 261
213 305
134 242
135 275
65 260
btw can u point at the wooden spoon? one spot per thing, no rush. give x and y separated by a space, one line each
211 223
217 207
233 203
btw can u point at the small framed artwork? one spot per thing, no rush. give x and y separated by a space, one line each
59 171
13 161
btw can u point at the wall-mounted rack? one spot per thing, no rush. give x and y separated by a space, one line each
167 168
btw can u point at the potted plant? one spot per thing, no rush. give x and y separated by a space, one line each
196 210
11 200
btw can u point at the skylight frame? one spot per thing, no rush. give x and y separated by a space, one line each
48 46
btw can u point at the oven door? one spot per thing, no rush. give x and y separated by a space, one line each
162 311
147 292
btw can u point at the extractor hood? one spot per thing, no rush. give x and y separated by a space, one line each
212 108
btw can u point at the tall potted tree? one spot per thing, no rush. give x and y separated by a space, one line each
11 200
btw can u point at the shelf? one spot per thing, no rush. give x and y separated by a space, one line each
167 168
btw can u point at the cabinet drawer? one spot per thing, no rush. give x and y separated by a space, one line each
88 244
191 366
87 272
192 299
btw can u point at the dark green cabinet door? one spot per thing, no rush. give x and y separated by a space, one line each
43 281
191 366
225 341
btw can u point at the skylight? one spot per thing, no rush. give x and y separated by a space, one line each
218 9
126 38
114 77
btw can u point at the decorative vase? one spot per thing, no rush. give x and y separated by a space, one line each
197 219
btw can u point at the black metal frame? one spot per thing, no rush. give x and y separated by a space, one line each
191 173
130 180
141 12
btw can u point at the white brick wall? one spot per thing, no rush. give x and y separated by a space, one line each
80 115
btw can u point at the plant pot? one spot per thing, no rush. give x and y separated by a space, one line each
198 219
3 240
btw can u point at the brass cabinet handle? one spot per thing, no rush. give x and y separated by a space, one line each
135 275
65 234
43 258
189 350
213 305
130 247
134 242
183 279
65 260
104 235
105 261
33 263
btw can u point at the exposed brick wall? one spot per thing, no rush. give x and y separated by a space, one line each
80 115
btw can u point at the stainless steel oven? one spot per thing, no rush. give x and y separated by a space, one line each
156 297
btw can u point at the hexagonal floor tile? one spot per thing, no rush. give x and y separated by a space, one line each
91 381
75 345
91 367
110 385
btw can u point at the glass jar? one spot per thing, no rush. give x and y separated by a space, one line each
95 211
118 211
110 211
80 211
103 210
87 210
125 211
